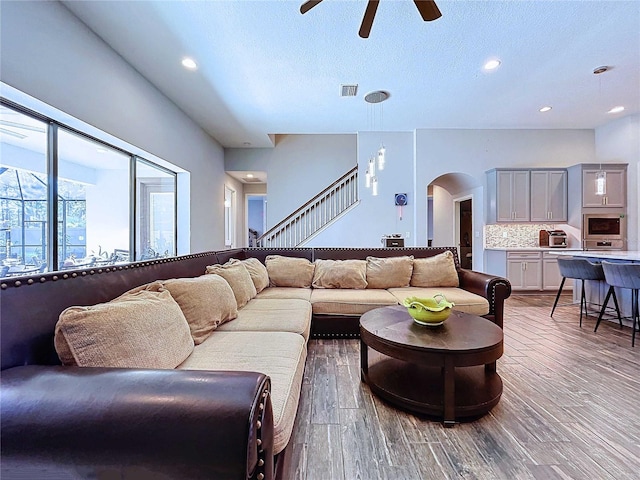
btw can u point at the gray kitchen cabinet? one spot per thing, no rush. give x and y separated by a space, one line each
551 277
508 195
548 195
616 191
524 270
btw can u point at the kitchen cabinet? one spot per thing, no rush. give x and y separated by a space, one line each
524 270
551 277
508 195
548 195
534 270
616 190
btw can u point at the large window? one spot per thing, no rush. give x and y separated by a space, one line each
155 211
100 221
23 193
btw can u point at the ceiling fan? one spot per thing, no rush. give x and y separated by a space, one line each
427 8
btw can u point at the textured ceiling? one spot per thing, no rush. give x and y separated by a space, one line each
265 69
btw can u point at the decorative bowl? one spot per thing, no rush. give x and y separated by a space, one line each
429 311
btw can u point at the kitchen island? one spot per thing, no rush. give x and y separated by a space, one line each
595 291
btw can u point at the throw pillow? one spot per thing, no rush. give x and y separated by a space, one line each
257 271
289 271
437 271
238 277
392 272
206 302
340 274
140 330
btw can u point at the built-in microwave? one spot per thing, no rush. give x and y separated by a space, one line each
604 231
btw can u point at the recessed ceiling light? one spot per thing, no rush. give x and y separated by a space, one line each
492 64
101 150
189 63
545 109
617 109
249 175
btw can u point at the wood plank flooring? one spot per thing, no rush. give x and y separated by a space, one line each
569 410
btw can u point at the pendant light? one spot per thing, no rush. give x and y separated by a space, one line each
601 175
601 182
378 160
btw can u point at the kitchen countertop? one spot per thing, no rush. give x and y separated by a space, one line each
629 255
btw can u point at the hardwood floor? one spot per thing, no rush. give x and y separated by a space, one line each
569 410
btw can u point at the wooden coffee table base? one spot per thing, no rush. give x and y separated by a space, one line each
420 389
447 371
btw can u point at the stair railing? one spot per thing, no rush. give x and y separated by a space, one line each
314 215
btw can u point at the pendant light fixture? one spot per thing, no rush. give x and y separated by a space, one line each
378 160
601 175
601 182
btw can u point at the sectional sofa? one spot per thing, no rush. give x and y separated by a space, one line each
191 367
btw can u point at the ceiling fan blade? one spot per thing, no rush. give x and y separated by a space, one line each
428 9
367 20
306 6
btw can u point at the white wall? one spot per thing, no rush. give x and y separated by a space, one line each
473 152
298 167
619 141
376 216
47 53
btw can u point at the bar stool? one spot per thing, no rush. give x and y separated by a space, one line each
624 275
582 269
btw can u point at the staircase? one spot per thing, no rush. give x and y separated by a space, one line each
315 215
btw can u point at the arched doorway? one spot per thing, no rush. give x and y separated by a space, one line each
455 216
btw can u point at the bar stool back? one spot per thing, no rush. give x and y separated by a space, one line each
582 269
624 275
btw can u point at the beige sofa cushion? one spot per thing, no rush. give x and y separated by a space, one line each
286 292
139 330
348 301
389 272
257 271
289 271
236 274
464 301
340 274
437 271
206 301
273 315
280 355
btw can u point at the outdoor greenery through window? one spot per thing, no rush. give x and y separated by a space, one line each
95 200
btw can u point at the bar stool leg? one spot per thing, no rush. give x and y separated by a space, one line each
636 316
615 302
610 293
583 301
558 296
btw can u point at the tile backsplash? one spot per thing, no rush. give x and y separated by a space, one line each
513 235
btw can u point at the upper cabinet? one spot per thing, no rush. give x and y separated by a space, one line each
508 195
615 191
548 195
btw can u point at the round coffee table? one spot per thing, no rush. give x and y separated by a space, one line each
447 371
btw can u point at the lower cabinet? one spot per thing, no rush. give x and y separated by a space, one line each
535 270
524 270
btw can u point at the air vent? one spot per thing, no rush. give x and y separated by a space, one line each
348 90
252 180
